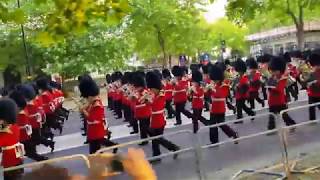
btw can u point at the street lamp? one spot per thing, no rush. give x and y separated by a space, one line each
25 46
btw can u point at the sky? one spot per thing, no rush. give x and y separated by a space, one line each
215 10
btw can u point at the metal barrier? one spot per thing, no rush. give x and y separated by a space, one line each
211 162
290 165
194 147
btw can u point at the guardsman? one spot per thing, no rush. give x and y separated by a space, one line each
12 150
48 104
118 95
196 92
95 116
313 84
142 107
180 94
219 92
168 89
255 83
291 72
23 122
241 88
35 118
158 121
206 81
276 85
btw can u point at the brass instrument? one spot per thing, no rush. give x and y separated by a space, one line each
305 70
147 96
5 129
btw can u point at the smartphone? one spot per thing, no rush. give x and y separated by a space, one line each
105 165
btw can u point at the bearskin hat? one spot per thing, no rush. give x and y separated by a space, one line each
240 66
177 71
216 73
296 54
153 80
158 73
266 58
18 98
314 59
88 88
221 65
277 64
118 75
125 78
287 57
27 91
8 110
196 76
252 63
139 80
108 78
166 74
195 67
43 83
227 62
205 69
55 85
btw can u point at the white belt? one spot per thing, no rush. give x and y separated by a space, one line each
158 112
140 105
312 82
10 147
168 91
218 99
183 90
93 123
270 87
198 97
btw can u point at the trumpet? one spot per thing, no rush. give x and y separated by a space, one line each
146 97
5 129
305 70
209 87
192 90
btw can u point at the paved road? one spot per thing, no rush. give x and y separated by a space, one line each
219 162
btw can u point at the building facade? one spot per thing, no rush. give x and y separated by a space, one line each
283 39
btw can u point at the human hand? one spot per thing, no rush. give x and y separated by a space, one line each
136 165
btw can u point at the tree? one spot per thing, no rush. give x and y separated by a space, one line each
161 28
242 11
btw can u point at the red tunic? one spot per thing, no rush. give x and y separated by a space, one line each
180 92
24 124
219 94
243 83
311 91
48 102
157 118
142 108
255 82
34 115
7 140
197 98
96 120
277 95
168 89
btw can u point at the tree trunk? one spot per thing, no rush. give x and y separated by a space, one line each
162 45
170 61
300 37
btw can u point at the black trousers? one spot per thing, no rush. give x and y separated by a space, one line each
118 108
264 91
31 152
180 108
38 139
169 108
144 124
110 103
214 135
197 116
254 96
241 105
286 118
95 145
160 141
293 91
126 113
230 106
207 102
135 125
312 110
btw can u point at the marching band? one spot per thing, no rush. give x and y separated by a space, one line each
30 112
